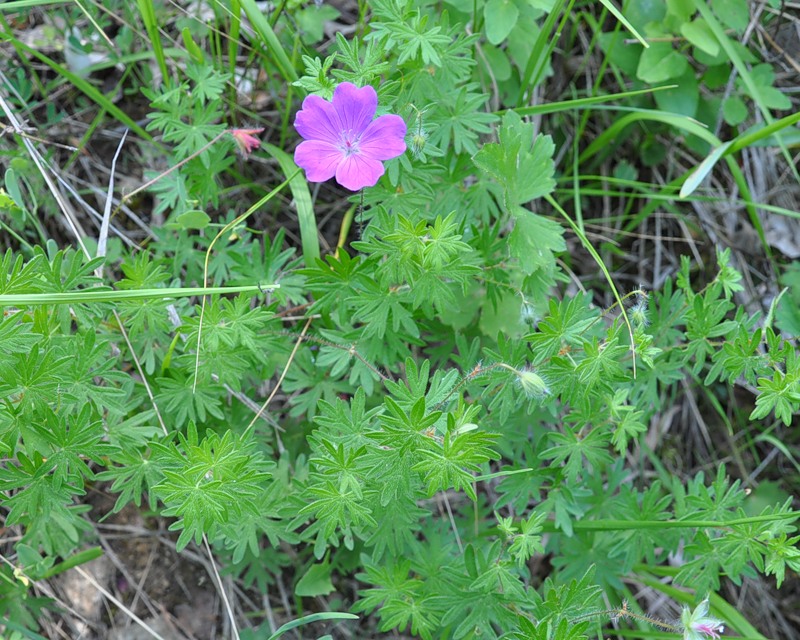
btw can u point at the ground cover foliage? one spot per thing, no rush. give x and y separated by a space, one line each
541 381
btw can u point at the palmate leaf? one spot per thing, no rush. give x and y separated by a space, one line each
534 241
346 422
527 542
567 323
208 483
380 309
400 520
177 399
74 439
483 602
16 337
405 431
452 465
336 508
459 119
403 599
333 283
46 511
135 474
19 276
33 380
578 450
524 169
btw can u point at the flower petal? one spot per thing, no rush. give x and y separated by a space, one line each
355 107
318 120
319 159
358 171
384 138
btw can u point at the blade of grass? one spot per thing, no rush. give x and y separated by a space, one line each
16 5
235 13
753 137
602 142
314 617
538 59
553 107
270 40
741 141
703 169
302 201
148 13
643 115
616 13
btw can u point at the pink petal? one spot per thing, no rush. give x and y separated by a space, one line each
318 120
355 107
319 159
357 171
245 139
384 138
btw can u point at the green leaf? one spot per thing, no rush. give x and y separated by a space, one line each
763 77
316 581
192 219
734 14
703 169
500 17
698 33
312 19
523 169
734 110
534 241
660 63
682 99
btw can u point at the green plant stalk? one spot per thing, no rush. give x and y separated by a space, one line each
601 72
111 295
16 5
234 30
82 557
631 525
289 106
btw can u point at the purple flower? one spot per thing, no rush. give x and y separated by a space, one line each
343 139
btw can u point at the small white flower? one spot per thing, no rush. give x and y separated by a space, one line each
698 625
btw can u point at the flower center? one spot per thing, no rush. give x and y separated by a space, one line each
348 143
